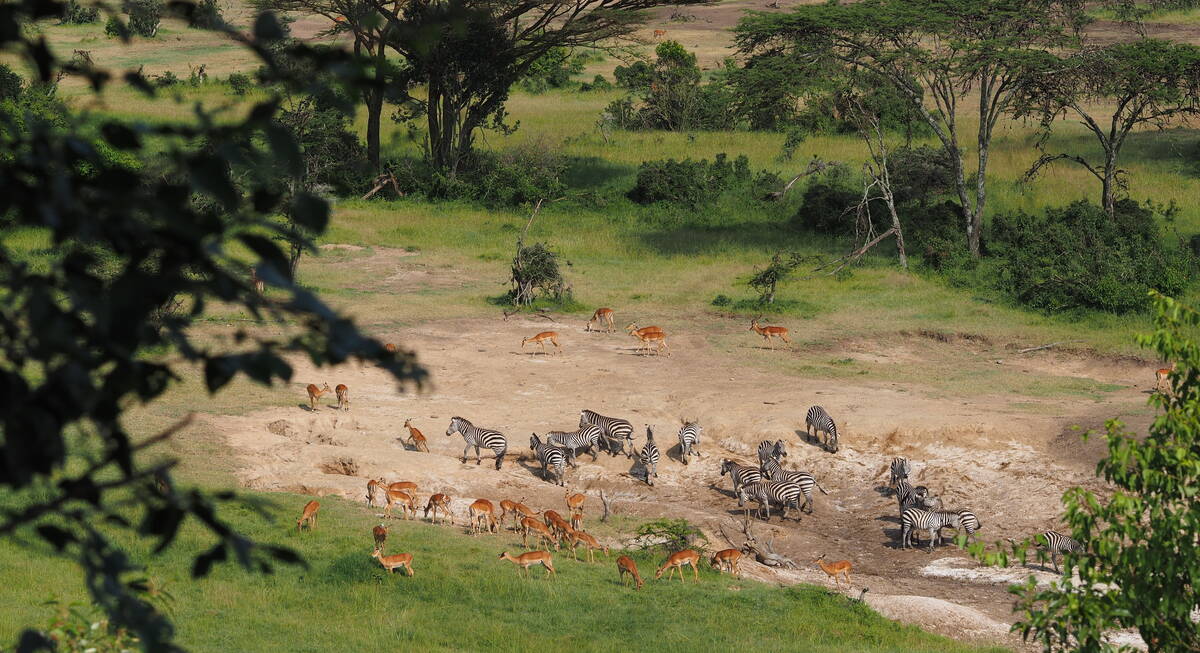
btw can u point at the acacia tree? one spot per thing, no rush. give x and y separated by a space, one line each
465 55
937 53
1149 82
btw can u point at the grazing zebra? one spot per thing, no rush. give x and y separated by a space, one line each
551 457
783 493
915 497
768 449
587 438
818 421
689 437
477 437
741 474
776 472
900 470
649 456
970 523
615 430
931 520
1057 543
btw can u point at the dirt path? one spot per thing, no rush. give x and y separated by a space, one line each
986 453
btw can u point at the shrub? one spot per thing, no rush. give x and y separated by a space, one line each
113 27
552 70
166 80
333 157
672 535
824 205
722 301
11 83
687 182
520 175
206 15
77 14
920 174
239 83
535 270
144 17
1078 257
635 76
598 83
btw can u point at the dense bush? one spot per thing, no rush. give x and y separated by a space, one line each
552 70
920 174
1078 257
206 15
77 14
332 156
825 204
239 83
10 83
687 182
144 17
512 177
113 27
634 76
669 94
598 83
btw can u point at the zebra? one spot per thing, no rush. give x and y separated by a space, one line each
900 470
689 437
1057 543
908 496
970 523
783 493
477 437
931 520
615 430
818 421
551 457
649 456
586 438
768 449
741 474
775 472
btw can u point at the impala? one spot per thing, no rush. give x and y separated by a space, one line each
543 531
415 437
626 565
835 569
482 514
406 501
727 559
375 488
648 337
526 560
517 510
768 332
390 348
603 317
380 533
314 393
343 396
309 515
589 542
1162 379
676 561
541 339
440 502
391 562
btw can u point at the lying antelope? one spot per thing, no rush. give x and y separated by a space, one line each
527 560
726 559
406 501
603 317
835 569
309 515
391 562
380 533
588 541
482 515
529 524
314 393
768 332
541 339
1162 378
343 396
415 437
626 565
676 561
440 502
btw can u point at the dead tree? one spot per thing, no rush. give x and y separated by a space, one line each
814 166
765 554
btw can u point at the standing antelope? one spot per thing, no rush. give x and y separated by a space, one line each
309 515
343 396
561 527
440 502
590 542
659 33
604 317
406 501
415 437
390 563
626 565
543 531
541 339
527 560
375 488
575 506
517 509
404 486
676 561
390 348
259 287
1162 378
727 558
380 533
768 332
646 337
314 393
835 570
477 437
481 514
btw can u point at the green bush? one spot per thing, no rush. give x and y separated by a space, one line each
77 14
672 535
635 76
239 83
206 15
1078 257
825 204
113 27
552 70
598 83
513 177
669 94
11 83
144 17
689 183
166 80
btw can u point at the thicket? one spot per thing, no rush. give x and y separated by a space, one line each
688 183
144 19
77 14
668 94
512 177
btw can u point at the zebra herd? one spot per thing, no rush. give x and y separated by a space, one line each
770 483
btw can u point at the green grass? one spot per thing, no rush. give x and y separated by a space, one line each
345 601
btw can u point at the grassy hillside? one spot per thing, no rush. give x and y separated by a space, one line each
345 600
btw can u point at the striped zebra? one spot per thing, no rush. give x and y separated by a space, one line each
741 474
782 493
551 458
775 472
900 470
818 421
586 438
908 496
649 456
1057 543
689 437
933 521
768 450
616 431
477 437
970 523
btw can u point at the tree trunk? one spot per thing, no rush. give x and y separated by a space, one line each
960 184
1109 182
374 102
975 226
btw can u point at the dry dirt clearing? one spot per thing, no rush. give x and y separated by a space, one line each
992 454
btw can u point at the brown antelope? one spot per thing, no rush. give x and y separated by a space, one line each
543 531
259 286
440 502
314 393
603 317
676 561
575 501
588 541
541 339
632 327
626 565
560 526
404 486
390 348
1162 379
309 515
768 332
343 396
835 569
659 33
406 501
415 437
380 533
481 513
527 560
517 510
650 337
391 562
375 488
727 559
